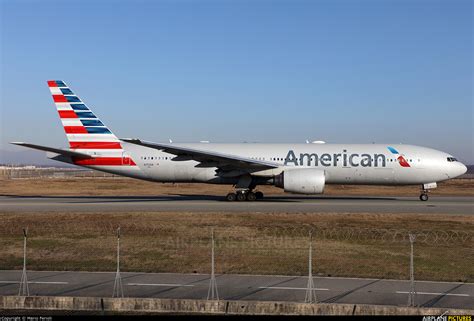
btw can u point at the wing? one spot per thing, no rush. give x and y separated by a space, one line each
207 158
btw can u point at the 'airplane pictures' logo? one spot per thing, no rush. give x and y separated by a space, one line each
447 318
344 159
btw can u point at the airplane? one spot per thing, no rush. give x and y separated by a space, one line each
297 168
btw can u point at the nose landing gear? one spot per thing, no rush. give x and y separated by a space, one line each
425 188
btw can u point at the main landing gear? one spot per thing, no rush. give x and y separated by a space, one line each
244 195
244 190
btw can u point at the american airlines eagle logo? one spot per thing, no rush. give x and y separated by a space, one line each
401 160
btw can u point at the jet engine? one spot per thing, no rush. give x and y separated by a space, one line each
301 180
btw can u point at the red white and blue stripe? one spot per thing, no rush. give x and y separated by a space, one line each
85 132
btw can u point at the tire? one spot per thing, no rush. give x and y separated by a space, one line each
241 197
424 197
251 197
231 197
259 195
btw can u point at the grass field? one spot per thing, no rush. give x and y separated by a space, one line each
362 245
356 245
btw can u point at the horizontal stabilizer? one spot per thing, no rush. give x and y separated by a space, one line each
53 150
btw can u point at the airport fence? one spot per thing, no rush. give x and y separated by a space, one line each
149 247
50 173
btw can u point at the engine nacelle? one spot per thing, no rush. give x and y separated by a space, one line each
302 180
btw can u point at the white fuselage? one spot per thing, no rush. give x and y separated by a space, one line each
297 168
342 163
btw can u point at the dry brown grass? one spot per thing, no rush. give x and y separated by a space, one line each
127 186
359 245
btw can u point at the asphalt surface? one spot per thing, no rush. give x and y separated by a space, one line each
242 287
206 203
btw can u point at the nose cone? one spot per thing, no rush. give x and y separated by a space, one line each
457 169
463 169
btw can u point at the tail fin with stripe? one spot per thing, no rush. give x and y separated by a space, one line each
85 132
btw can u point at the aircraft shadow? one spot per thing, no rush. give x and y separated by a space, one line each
192 197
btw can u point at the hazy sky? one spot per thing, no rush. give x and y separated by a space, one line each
231 71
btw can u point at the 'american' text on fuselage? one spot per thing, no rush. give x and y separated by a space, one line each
344 159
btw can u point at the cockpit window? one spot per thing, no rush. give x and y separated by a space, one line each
452 159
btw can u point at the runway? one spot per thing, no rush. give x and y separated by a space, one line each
243 287
205 203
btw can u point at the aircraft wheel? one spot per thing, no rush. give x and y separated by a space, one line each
241 197
259 195
251 197
423 197
231 197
